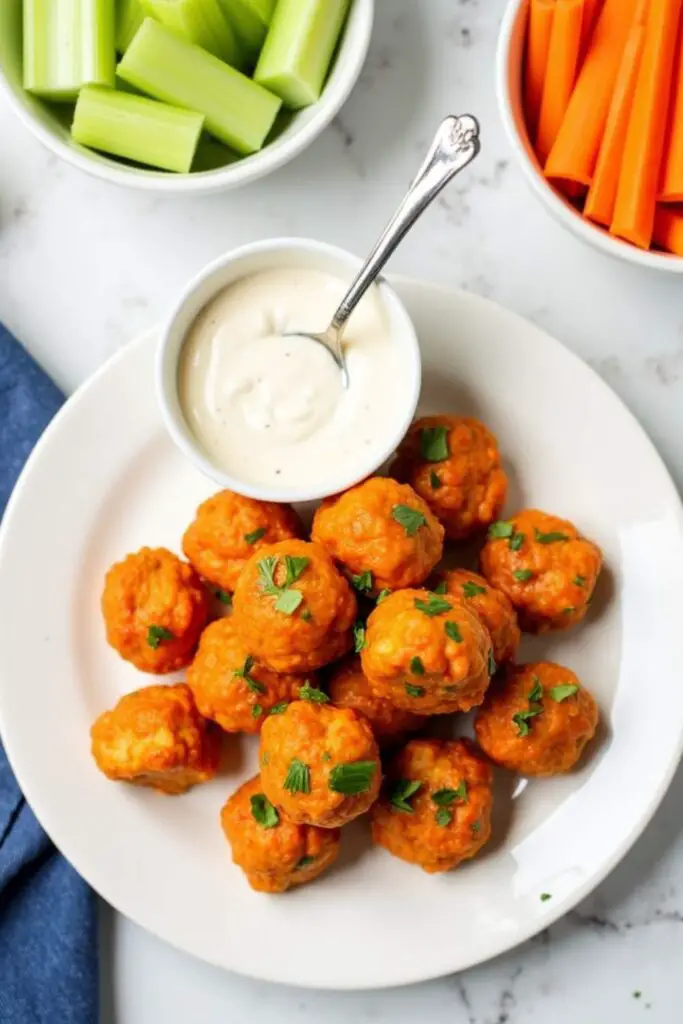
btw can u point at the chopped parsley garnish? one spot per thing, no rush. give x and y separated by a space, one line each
545 896
516 541
224 597
304 862
358 636
363 582
493 668
440 588
521 719
415 691
560 693
434 443
471 589
446 797
279 709
523 574
536 693
312 693
383 594
453 632
579 581
298 777
243 673
306 615
255 535
434 605
401 793
501 530
411 519
263 812
352 778
288 600
256 711
476 827
416 666
549 538
443 817
157 634
434 481
637 994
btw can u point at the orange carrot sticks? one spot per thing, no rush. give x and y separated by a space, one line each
672 176
576 148
634 210
563 59
668 230
591 11
603 191
541 14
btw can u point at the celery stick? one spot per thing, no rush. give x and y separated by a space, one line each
238 112
298 49
250 20
129 17
136 128
199 21
67 44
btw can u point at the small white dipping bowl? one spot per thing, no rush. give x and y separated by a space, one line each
272 254
51 122
509 88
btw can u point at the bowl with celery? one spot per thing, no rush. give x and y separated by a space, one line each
181 95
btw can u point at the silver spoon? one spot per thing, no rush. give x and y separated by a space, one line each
455 145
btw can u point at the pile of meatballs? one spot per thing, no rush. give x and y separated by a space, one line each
337 648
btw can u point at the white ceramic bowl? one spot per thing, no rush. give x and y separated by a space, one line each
51 124
509 89
266 255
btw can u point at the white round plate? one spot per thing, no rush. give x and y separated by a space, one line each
106 479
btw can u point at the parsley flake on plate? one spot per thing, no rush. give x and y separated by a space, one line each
550 538
224 597
255 535
434 481
304 862
434 443
157 634
445 797
279 709
243 673
411 519
352 778
434 605
443 817
560 693
523 574
453 632
313 694
402 792
471 589
501 530
298 777
358 636
363 582
415 691
263 812
417 666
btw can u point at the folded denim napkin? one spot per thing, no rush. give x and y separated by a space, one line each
48 928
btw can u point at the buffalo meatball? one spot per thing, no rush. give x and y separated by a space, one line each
381 528
273 851
491 605
537 719
349 687
154 609
427 653
453 463
546 568
293 609
233 689
156 737
229 528
435 807
319 764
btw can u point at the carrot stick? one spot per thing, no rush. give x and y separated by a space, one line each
603 191
563 59
672 176
541 13
576 148
634 210
668 230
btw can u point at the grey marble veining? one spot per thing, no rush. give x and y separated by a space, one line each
85 266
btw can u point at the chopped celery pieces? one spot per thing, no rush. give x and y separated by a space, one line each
67 44
129 17
250 20
298 49
136 128
238 111
199 21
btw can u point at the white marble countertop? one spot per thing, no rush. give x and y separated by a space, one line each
85 266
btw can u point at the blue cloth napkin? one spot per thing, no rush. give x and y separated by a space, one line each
48 929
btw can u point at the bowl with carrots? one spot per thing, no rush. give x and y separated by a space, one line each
591 95
183 96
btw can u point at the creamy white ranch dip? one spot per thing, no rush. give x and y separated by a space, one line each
271 410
